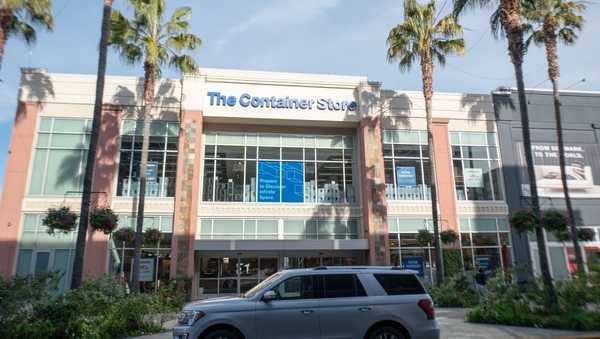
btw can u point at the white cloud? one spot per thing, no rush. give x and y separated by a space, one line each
278 15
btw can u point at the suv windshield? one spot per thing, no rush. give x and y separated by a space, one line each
252 292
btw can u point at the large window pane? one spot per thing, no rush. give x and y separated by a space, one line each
229 180
209 171
330 182
63 172
310 184
230 152
250 186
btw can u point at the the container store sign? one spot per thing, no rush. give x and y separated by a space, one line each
247 100
582 170
280 182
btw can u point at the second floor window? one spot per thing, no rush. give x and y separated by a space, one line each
278 168
162 159
407 165
477 174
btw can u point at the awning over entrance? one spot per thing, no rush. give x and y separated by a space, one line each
280 245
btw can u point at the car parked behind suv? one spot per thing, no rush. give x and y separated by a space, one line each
323 302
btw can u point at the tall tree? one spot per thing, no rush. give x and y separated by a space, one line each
509 15
424 38
146 38
547 22
90 164
19 17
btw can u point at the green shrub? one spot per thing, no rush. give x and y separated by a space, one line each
453 264
457 291
30 308
510 304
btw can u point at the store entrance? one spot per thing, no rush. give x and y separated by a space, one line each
220 274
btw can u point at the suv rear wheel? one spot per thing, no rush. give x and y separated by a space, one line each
221 334
386 332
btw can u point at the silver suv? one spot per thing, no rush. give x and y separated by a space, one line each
323 302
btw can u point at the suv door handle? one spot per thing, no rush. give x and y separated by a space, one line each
307 311
365 309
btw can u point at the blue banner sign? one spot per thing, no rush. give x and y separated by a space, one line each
248 100
152 171
269 181
293 181
406 176
414 264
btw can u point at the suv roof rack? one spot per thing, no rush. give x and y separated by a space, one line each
395 268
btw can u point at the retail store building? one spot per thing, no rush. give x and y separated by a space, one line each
254 172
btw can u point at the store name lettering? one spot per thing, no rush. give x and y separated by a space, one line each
247 100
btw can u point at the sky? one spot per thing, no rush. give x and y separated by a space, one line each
346 37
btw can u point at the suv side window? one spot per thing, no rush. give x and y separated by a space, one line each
400 284
300 287
342 286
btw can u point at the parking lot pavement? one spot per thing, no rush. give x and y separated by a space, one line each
453 326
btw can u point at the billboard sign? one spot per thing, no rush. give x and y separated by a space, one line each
269 181
582 167
406 176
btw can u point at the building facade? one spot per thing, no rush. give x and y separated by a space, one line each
254 172
581 126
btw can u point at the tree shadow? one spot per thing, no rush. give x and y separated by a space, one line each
36 86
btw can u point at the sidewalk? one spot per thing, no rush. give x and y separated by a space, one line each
453 326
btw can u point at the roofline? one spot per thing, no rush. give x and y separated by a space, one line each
504 90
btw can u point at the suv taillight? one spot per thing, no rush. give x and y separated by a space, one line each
427 306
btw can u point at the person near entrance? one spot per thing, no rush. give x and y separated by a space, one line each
481 282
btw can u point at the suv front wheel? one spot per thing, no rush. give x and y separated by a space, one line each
386 332
221 334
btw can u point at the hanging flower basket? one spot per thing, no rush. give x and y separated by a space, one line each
449 237
585 234
424 238
151 236
554 221
523 221
60 219
123 235
104 220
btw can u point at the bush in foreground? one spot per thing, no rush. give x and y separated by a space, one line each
457 291
30 308
510 304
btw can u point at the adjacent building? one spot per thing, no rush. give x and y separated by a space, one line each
254 172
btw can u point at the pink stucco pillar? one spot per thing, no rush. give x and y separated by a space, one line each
15 183
105 172
186 198
372 181
445 178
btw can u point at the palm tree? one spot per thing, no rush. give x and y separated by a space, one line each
18 18
147 39
509 17
77 275
549 21
424 38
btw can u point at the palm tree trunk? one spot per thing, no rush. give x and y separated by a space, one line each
554 75
149 84
2 45
5 17
511 21
77 275
427 74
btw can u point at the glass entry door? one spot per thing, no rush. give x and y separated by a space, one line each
233 275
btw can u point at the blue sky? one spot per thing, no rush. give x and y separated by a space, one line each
311 36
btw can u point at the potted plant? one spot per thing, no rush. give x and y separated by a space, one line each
60 219
523 221
585 234
151 236
123 235
449 237
554 221
104 220
424 238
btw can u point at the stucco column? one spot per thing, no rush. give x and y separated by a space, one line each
372 177
95 261
445 178
186 198
15 183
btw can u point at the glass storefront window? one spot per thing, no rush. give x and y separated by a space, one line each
162 158
59 157
276 168
477 174
406 165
